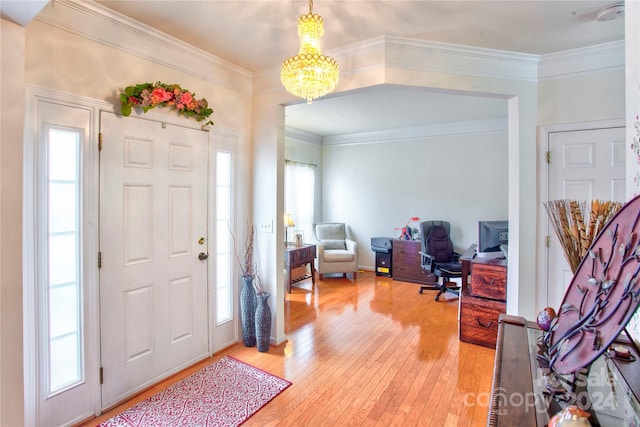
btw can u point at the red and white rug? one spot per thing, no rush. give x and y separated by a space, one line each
225 393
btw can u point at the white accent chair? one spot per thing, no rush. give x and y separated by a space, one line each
336 253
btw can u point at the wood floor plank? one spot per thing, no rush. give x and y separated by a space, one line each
373 352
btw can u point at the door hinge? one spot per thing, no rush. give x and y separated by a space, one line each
100 141
548 156
101 375
548 241
99 259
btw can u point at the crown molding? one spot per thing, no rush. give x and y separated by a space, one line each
423 55
103 25
417 132
583 61
302 136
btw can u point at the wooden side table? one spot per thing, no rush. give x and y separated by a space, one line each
296 256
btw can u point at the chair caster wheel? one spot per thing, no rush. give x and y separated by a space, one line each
437 297
420 291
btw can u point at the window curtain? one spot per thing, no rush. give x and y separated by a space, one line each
299 189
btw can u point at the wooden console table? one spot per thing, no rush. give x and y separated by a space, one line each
407 263
610 389
297 256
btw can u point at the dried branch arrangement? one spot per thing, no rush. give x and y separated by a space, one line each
576 224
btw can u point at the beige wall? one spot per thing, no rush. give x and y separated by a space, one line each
12 103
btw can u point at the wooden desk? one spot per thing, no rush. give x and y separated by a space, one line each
296 256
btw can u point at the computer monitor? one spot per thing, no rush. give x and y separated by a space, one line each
493 238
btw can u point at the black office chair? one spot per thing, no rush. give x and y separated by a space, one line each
438 256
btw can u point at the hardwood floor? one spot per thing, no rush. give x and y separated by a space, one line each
372 352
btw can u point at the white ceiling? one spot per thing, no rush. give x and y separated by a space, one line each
257 35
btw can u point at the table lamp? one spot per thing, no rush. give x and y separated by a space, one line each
288 223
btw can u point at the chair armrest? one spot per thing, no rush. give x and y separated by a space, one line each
427 261
319 250
351 246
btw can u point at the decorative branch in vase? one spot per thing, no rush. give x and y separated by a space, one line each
577 227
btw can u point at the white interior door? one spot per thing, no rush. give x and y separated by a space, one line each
153 228
585 165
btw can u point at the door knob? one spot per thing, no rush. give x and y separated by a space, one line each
202 256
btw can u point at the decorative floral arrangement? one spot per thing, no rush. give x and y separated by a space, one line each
150 95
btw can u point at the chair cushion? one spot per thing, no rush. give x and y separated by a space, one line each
338 255
331 231
450 267
331 235
333 244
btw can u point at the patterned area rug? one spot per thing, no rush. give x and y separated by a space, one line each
225 393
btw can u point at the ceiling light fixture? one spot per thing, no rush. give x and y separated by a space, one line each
309 74
610 12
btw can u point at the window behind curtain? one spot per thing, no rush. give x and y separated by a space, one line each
299 189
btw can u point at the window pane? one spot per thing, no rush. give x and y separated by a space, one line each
63 155
223 199
62 195
64 291
224 309
62 258
223 175
63 301
224 243
64 361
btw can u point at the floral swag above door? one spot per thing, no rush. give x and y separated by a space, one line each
150 95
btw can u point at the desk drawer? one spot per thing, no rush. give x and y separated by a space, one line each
303 254
489 281
479 320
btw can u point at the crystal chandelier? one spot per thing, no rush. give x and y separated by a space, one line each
309 74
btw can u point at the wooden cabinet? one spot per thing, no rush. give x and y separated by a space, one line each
482 301
407 264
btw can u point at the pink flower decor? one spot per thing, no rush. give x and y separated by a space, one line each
151 95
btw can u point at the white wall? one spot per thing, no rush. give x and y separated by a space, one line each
376 187
582 98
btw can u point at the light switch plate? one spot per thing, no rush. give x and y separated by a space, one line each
266 226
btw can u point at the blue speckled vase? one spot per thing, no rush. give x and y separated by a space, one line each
263 322
248 311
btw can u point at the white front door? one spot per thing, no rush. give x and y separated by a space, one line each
153 232
585 165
